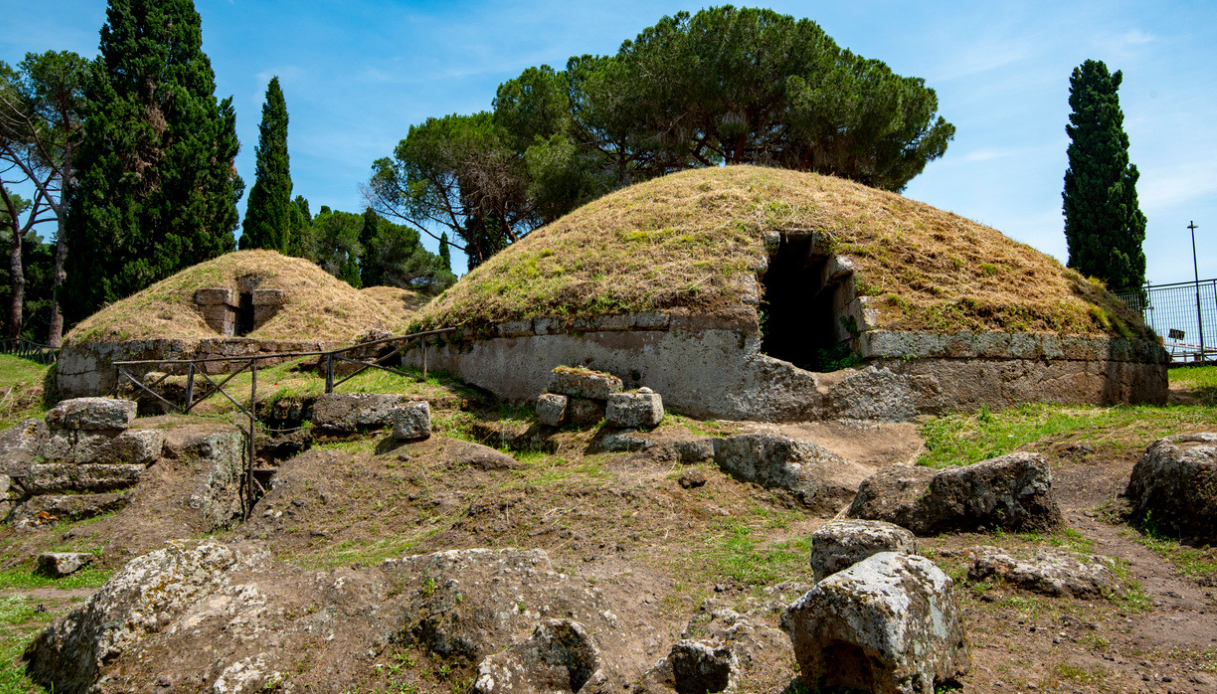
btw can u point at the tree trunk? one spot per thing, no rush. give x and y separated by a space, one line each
55 337
17 272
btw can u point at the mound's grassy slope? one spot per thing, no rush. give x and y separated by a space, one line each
316 305
686 240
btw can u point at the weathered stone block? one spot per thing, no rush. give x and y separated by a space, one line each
56 478
267 297
19 445
1053 572
819 478
92 414
349 412
889 624
643 408
50 508
583 383
551 409
134 446
210 296
582 411
841 544
1013 492
56 564
1174 483
412 421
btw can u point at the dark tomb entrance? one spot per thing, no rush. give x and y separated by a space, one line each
798 312
245 314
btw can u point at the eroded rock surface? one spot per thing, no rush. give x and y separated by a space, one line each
412 421
1052 572
819 479
1174 486
643 408
1011 492
583 383
346 413
227 618
92 414
885 625
841 544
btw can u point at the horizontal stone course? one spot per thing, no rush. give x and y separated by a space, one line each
997 345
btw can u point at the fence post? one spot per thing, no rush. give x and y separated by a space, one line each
253 404
424 358
189 386
329 372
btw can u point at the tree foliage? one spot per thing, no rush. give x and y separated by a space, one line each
157 187
1104 226
268 213
722 86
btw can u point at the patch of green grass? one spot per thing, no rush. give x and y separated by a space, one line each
1188 561
19 622
1080 674
87 577
965 438
733 551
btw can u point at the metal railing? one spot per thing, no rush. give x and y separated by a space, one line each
328 361
1184 314
28 349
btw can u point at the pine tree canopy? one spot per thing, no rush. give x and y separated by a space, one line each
268 219
1104 226
157 188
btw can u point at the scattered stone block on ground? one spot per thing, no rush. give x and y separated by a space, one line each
92 414
582 411
1174 486
551 409
56 564
412 421
1012 492
349 412
583 383
889 624
1052 572
819 478
841 544
691 479
643 408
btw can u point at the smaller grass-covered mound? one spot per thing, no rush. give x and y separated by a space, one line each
316 305
688 238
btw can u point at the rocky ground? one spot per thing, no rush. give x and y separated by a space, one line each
666 548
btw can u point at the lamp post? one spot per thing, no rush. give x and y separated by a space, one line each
1196 273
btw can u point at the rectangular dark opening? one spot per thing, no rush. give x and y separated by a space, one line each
245 314
798 316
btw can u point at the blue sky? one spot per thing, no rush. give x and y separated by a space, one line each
357 73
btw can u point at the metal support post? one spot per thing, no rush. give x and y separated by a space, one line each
1196 273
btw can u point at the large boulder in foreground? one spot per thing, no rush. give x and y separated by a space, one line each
1174 487
889 624
1012 492
226 618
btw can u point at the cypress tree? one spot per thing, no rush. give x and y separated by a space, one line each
1104 226
445 255
157 188
267 215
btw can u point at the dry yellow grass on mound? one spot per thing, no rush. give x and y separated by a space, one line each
316 305
685 239
400 304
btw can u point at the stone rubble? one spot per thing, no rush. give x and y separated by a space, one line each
1174 487
584 397
841 544
1012 492
1052 572
58 564
412 421
889 624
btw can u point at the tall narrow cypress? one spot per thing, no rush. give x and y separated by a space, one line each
157 188
1104 226
445 254
267 215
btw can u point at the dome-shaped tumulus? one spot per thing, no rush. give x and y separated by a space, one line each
297 300
689 239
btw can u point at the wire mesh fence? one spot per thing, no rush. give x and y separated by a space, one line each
1183 314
